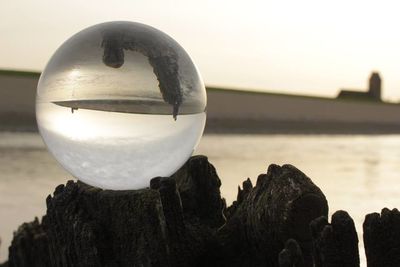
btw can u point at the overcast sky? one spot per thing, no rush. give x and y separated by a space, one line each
305 47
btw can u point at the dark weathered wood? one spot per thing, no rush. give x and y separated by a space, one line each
29 246
198 185
335 244
280 207
86 226
382 238
291 255
178 221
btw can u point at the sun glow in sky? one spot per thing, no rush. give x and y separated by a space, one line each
303 47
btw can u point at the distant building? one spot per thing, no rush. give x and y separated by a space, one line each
373 93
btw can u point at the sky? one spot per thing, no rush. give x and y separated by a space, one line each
310 47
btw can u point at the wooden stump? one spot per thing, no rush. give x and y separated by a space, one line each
178 221
335 244
291 255
280 207
382 238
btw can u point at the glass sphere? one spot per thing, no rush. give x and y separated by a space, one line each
120 103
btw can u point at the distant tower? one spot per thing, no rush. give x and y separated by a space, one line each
375 86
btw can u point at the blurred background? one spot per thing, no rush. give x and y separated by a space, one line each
309 83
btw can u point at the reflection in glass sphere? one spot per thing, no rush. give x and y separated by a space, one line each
120 103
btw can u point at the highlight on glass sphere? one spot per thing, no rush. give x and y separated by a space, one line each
120 103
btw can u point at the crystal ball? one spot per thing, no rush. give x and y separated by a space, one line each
120 103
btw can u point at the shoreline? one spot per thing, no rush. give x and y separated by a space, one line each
232 111
250 127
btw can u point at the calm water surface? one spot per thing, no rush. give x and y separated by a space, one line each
359 174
